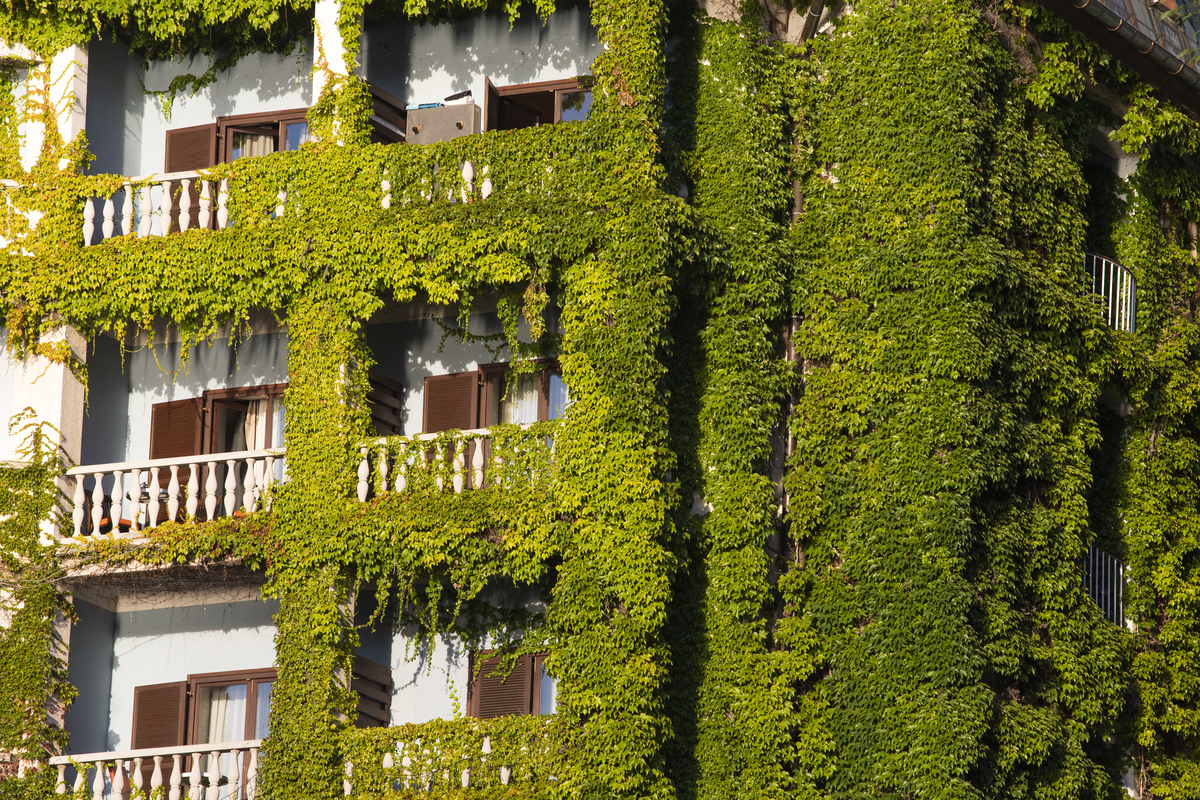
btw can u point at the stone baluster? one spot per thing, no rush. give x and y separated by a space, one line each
439 458
147 210
485 188
406 770
78 512
193 490
155 490
280 205
176 777
116 508
505 775
80 781
98 781
107 226
195 777
236 764
61 786
173 494
252 775
364 473
347 774
118 781
250 494
205 204
135 524
477 462
386 202
230 487
460 466
166 204
214 776
210 492
383 467
401 470
223 204
139 780
89 221
185 204
127 212
468 173
269 477
97 503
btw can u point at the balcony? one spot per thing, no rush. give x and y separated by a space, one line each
116 498
1115 290
224 771
1104 581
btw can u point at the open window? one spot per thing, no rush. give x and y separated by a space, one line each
493 692
530 105
489 395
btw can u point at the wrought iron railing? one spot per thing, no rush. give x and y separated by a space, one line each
1104 579
1116 290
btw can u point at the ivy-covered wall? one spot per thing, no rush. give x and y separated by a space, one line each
859 256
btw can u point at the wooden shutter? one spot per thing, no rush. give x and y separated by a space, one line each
451 401
190 149
175 430
494 696
372 682
159 719
385 400
491 106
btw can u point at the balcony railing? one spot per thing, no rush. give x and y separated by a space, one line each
225 771
129 496
1104 579
158 205
470 459
1116 289
451 755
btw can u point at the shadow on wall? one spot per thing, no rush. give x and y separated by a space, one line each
115 107
400 56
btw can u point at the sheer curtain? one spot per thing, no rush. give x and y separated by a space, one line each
523 407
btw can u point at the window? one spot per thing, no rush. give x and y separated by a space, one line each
219 421
530 105
487 396
528 689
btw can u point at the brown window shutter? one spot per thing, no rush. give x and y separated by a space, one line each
372 682
190 149
451 401
159 713
497 696
175 430
491 106
386 401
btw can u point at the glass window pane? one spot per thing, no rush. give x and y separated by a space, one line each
548 700
296 135
262 709
252 144
231 428
559 398
221 714
575 106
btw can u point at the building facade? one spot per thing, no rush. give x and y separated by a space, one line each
610 399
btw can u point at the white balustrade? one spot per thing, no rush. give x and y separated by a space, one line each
467 460
226 771
157 203
247 475
414 758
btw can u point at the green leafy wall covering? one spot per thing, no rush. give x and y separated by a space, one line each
860 256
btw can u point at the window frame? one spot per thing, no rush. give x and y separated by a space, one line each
264 119
559 87
252 678
211 397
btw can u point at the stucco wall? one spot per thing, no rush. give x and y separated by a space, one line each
89 663
7 377
422 63
168 644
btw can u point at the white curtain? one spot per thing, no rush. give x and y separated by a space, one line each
252 144
523 407
255 425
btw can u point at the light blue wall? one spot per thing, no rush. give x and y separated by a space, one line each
89 664
421 63
115 108
168 644
120 398
408 352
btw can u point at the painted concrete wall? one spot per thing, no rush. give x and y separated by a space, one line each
90 663
168 644
117 421
115 108
422 63
8 373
